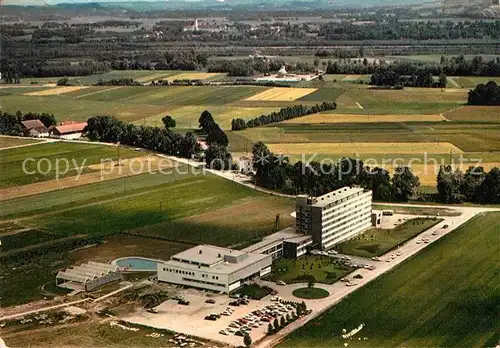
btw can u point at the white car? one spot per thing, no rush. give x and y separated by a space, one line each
223 332
230 330
399 253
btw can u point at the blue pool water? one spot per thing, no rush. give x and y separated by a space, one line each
137 263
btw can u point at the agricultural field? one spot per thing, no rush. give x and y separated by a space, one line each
187 116
474 114
404 307
364 148
363 118
282 94
6 142
377 241
44 158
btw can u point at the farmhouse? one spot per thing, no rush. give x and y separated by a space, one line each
69 131
87 276
34 128
214 268
334 217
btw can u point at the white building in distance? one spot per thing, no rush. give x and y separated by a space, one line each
214 268
335 216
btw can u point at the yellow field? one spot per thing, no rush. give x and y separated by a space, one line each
352 118
193 76
55 91
363 148
427 174
282 94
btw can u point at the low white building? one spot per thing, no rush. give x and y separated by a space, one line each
214 268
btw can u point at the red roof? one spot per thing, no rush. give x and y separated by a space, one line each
71 128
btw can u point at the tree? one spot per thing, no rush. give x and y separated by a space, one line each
282 322
48 120
489 191
270 329
488 94
404 183
310 283
247 340
168 122
276 324
217 157
63 82
206 121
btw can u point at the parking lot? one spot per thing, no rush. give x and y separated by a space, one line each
190 319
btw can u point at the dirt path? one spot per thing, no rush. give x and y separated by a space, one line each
30 144
97 92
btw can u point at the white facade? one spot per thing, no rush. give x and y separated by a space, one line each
334 217
69 136
213 268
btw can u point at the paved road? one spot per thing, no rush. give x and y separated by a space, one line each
339 290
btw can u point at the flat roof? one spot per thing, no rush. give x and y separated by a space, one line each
222 267
336 195
288 234
207 254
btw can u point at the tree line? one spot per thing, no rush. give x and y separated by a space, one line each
283 114
216 155
275 172
384 76
109 129
475 185
485 94
10 124
454 66
118 82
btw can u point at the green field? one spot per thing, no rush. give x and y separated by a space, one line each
323 269
8 142
378 241
446 296
45 157
24 239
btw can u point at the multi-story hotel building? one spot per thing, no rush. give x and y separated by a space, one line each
335 216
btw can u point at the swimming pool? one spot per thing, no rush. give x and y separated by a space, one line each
137 264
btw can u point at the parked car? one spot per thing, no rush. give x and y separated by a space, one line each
223 332
211 317
445 226
183 302
239 333
211 300
280 282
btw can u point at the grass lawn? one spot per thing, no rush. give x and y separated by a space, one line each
446 296
299 271
11 163
310 293
377 241
8 142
